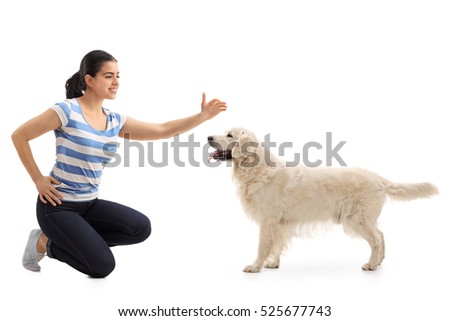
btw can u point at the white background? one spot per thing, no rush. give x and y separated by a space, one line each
376 74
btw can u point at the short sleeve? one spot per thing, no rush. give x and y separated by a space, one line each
63 110
123 119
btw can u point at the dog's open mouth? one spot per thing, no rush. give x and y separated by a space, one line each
221 152
220 155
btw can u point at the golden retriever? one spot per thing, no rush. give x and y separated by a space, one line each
282 199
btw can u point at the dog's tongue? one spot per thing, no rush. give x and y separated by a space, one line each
217 155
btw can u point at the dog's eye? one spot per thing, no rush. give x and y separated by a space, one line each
229 136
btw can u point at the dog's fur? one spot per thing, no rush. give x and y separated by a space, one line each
282 199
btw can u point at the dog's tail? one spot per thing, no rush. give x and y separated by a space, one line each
408 192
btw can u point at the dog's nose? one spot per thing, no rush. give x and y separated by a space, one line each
210 138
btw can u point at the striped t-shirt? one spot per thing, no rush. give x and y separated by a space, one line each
82 151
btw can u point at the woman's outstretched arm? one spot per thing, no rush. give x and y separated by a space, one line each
138 130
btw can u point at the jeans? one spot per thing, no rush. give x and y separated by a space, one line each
81 233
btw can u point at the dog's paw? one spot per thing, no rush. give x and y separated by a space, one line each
275 264
369 267
252 268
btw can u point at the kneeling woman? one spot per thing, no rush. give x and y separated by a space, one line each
76 227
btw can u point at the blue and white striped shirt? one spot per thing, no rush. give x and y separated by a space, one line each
82 151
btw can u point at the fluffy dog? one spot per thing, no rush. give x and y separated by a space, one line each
282 199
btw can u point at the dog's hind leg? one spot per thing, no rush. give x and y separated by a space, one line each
267 236
382 250
359 225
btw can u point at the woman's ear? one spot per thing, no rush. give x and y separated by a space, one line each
88 80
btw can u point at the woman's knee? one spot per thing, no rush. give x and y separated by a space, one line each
102 266
143 230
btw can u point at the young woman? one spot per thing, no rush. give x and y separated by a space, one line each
76 227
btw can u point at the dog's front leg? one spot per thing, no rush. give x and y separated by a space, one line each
266 238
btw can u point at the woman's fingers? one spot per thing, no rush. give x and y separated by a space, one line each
48 192
52 199
41 197
53 180
203 98
56 194
212 107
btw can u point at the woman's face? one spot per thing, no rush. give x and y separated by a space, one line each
106 82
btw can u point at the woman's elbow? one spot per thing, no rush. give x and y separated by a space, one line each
17 137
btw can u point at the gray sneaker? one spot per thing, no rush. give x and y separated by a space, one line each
31 256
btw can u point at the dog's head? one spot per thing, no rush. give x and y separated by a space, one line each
236 143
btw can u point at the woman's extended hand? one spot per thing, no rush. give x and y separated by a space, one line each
212 108
47 192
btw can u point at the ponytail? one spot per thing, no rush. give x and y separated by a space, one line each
74 86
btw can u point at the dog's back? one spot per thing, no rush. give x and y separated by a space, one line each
303 194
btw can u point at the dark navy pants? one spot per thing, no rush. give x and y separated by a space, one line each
81 233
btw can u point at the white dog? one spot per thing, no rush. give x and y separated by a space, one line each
282 199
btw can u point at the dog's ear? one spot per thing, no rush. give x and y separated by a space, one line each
246 146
